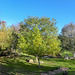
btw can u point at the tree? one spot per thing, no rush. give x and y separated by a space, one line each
65 42
41 34
5 36
67 37
68 30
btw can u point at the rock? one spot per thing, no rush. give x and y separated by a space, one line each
66 56
71 57
45 56
44 74
41 61
74 54
31 61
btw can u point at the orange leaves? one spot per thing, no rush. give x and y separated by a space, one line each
3 21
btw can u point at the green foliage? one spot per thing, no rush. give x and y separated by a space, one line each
37 46
63 53
35 36
52 45
67 37
68 30
21 42
41 34
66 42
14 37
5 37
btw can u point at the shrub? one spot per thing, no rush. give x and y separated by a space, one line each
66 52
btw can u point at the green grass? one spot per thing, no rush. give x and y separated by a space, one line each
18 65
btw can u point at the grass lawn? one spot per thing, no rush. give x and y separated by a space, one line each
18 65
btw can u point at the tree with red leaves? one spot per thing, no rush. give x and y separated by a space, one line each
3 21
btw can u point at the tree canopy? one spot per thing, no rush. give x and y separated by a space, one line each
41 34
67 36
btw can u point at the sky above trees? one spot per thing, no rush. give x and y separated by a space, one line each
14 11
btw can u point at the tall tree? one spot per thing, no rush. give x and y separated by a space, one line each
67 37
68 30
41 33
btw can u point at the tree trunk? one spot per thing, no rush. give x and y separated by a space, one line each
19 51
74 54
12 48
36 58
39 62
10 51
14 51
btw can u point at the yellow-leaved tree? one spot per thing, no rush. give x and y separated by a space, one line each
5 36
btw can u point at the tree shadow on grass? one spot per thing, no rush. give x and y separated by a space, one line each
4 70
13 67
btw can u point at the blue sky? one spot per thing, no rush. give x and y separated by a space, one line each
15 11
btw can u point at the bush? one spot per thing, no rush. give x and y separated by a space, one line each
66 52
